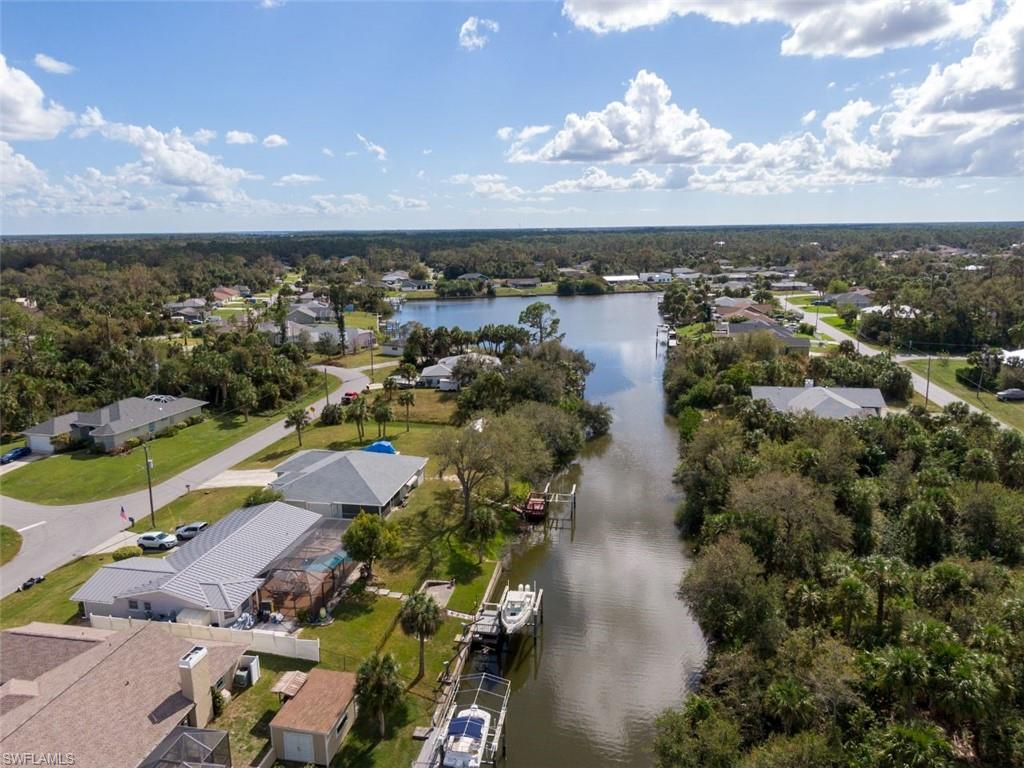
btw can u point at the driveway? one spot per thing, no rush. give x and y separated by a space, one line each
54 535
936 394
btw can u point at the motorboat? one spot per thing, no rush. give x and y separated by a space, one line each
466 738
517 608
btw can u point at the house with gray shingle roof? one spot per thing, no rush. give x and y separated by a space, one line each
824 402
344 483
217 574
112 425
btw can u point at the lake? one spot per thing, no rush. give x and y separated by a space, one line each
617 645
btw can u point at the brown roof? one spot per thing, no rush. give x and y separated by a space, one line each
29 651
319 703
111 704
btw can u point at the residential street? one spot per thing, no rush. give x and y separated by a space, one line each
54 535
936 394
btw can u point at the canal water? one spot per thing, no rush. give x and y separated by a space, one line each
617 645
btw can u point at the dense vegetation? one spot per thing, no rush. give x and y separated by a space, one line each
860 582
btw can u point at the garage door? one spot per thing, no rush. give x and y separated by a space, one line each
298 747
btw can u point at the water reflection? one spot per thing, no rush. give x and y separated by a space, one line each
617 646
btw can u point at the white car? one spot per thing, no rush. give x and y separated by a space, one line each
190 531
156 540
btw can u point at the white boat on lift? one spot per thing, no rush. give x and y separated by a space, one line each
517 607
466 738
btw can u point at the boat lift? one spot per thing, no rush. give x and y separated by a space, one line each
486 627
539 508
487 692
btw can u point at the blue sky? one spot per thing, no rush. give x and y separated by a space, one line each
196 116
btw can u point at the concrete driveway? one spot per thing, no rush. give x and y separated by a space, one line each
54 535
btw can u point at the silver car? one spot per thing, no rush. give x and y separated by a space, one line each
1011 394
190 530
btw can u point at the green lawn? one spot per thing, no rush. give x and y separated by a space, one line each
51 600
837 322
943 374
81 476
10 544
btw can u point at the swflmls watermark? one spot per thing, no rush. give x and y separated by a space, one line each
37 758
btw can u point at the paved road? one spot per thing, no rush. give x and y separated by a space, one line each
54 535
936 394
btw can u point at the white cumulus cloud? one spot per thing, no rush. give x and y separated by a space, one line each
295 179
599 180
52 65
239 137
275 140
327 152
25 112
409 203
808 118
475 32
374 149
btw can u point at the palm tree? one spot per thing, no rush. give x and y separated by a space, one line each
378 687
408 399
851 599
791 703
407 371
298 419
888 576
903 674
390 385
382 414
481 525
358 411
421 618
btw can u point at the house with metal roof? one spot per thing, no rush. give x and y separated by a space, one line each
214 577
441 375
112 425
345 483
824 402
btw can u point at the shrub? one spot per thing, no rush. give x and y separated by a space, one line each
218 702
125 552
332 414
262 496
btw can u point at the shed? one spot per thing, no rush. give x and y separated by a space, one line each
311 725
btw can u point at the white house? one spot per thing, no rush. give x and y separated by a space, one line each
655 277
441 375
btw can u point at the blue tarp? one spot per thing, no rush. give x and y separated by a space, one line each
381 446
473 727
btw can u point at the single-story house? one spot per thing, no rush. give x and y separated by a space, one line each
412 284
112 698
655 277
293 331
734 285
244 290
214 577
620 279
357 339
310 313
522 282
859 298
395 278
1013 356
572 273
441 374
311 725
473 277
112 425
306 297
344 483
825 402
790 285
789 340
733 302
902 312
224 293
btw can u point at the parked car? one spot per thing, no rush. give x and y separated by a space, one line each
403 383
190 530
820 303
348 397
14 454
156 540
1013 393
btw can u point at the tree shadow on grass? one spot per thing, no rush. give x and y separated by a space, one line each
357 602
462 566
357 751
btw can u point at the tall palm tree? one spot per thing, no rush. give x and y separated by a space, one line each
790 703
298 419
408 399
851 599
378 687
358 411
888 576
382 414
421 618
903 674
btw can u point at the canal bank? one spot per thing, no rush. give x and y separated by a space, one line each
617 646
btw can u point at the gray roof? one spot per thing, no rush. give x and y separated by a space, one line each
826 402
217 570
345 477
784 335
113 419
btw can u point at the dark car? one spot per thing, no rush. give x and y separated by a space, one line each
1011 394
14 454
29 583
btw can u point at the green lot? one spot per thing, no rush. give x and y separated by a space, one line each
943 374
82 476
804 302
10 543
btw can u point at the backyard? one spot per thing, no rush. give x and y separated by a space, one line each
81 476
943 373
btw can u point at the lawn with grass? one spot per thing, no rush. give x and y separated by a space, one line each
343 437
944 375
80 476
363 748
837 322
207 504
10 544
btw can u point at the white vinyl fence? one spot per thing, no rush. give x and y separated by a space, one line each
257 640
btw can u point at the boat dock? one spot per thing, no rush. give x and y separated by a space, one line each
553 508
487 692
486 628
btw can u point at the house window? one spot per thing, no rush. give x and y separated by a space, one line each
341 723
133 605
148 606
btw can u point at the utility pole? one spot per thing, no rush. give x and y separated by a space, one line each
149 482
928 382
327 388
